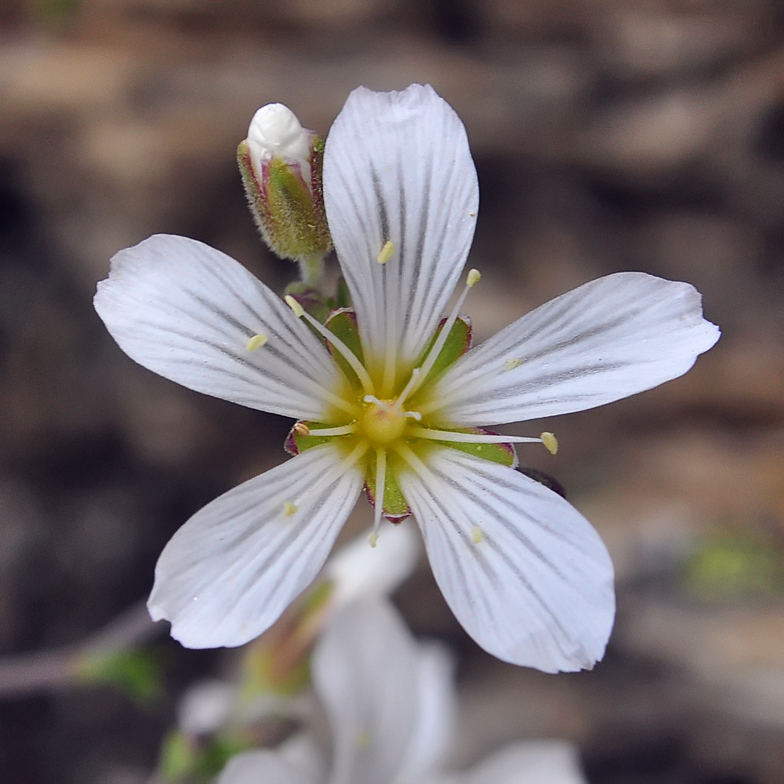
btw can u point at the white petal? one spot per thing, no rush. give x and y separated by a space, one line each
187 311
231 570
397 168
366 672
531 762
297 761
436 714
262 766
358 570
608 339
537 590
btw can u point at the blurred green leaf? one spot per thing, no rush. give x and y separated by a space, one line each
186 760
137 672
55 12
736 565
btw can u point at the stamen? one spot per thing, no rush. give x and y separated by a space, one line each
472 279
386 252
415 373
343 430
381 483
511 364
477 534
301 429
289 508
470 438
380 403
256 342
550 442
299 311
372 539
347 353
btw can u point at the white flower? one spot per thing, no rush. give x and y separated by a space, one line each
391 404
391 707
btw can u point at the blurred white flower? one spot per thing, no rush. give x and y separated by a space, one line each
206 706
391 708
389 399
353 572
357 570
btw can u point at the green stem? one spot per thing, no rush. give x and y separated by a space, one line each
311 269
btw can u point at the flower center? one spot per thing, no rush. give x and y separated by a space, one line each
382 422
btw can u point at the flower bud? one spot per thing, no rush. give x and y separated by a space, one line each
281 165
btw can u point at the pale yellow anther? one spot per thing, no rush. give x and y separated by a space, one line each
301 429
299 311
289 507
511 364
257 341
362 739
386 252
477 535
373 539
474 276
472 214
550 442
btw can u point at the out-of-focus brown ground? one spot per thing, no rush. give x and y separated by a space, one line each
608 136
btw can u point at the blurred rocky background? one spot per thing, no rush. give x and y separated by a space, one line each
608 135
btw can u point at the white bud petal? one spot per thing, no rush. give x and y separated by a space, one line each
275 130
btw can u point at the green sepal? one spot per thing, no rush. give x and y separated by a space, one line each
457 343
496 453
342 324
342 295
296 443
288 211
396 507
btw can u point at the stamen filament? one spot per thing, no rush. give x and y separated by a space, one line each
469 438
343 430
432 356
436 404
410 457
381 483
338 401
348 354
415 374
